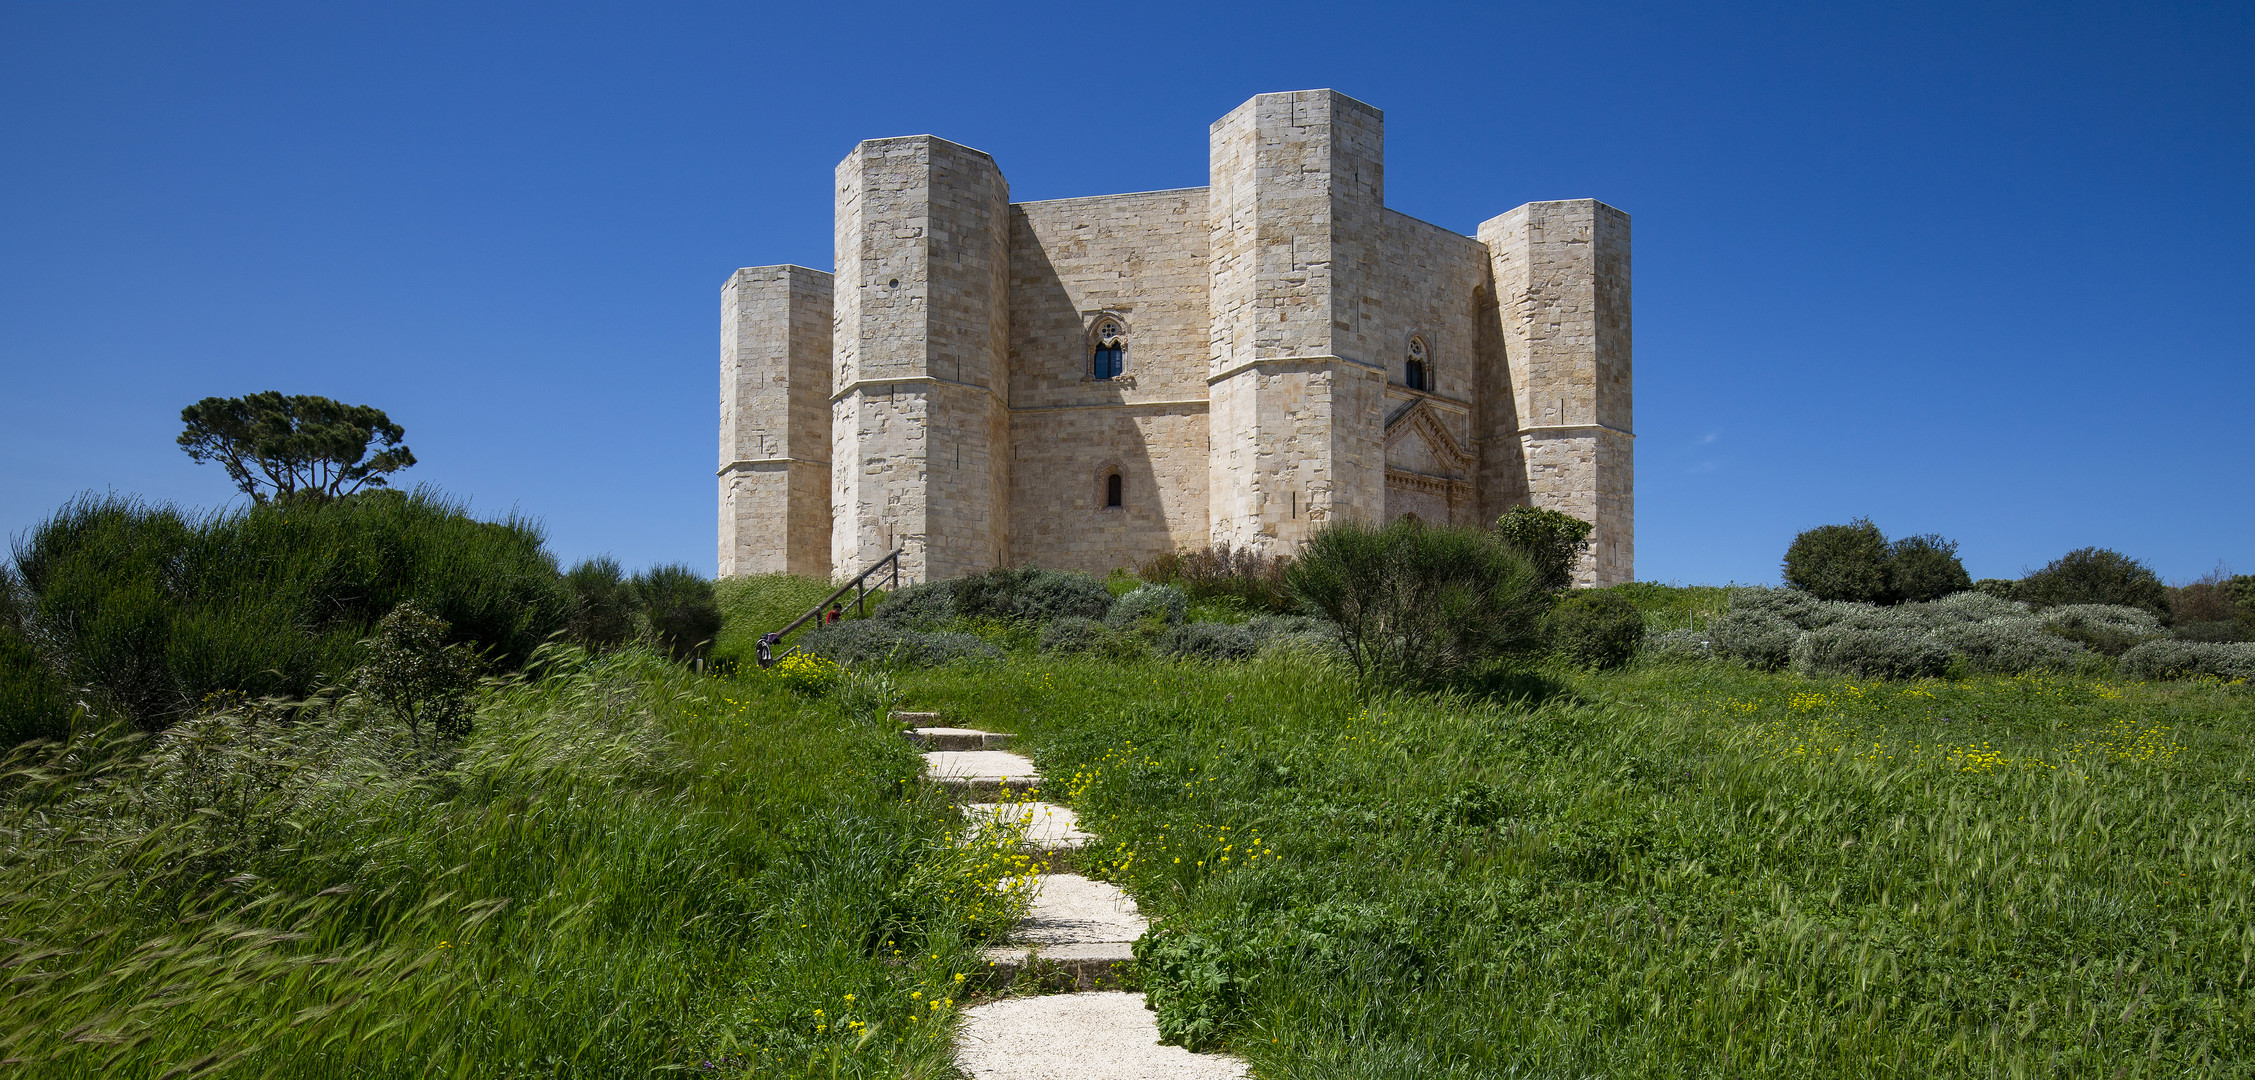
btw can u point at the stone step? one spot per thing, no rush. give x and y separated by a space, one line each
981 775
1100 1036
916 719
956 738
1060 969
1050 828
1078 935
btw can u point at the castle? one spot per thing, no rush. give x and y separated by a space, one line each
1087 383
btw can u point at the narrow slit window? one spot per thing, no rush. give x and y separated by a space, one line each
1110 357
1417 372
1114 490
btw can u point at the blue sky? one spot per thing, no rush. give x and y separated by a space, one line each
1976 270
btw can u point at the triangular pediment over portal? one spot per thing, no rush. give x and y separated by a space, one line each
1418 441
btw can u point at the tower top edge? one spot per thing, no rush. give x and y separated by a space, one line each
859 146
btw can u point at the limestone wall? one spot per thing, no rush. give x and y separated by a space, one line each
1140 258
775 421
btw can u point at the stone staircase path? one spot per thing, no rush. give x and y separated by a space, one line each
1075 937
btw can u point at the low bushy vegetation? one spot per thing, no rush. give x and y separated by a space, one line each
121 609
146 611
1596 629
1419 605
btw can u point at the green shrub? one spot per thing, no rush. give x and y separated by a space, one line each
2096 576
1973 606
1840 562
2110 629
1303 634
1595 630
150 611
600 603
675 609
1420 605
1163 603
2001 588
1758 639
1898 653
1029 594
411 673
2189 659
1923 568
1553 541
1195 992
1208 641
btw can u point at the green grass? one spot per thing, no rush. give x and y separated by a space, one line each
1674 607
1666 871
751 606
624 869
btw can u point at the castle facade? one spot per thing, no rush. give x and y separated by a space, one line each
1086 383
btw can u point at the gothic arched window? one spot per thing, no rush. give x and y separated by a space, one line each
1114 491
1417 370
1108 360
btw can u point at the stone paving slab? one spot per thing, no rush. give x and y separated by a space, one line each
956 738
981 774
1049 827
1100 1036
1069 909
979 765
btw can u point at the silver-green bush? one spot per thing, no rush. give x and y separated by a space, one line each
1899 653
2189 659
1756 638
1208 641
1072 635
2009 646
1165 602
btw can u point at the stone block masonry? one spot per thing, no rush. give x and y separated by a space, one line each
1086 383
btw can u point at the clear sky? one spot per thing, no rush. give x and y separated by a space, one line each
1970 269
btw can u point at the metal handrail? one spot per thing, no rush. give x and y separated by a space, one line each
767 642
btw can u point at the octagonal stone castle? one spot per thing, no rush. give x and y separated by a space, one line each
1086 383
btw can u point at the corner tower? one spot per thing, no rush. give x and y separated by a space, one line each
1296 382
919 426
775 422
1562 289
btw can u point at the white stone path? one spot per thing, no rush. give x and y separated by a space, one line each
1077 929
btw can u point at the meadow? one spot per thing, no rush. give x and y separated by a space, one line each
624 869
1665 871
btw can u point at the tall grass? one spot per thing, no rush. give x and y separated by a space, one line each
1666 871
624 869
